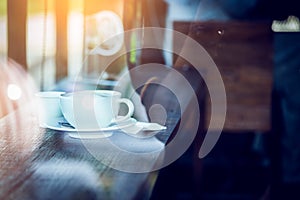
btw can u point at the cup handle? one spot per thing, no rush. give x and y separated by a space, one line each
130 109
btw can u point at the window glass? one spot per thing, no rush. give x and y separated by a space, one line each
41 42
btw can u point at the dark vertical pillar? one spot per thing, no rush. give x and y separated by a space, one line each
16 30
61 9
154 15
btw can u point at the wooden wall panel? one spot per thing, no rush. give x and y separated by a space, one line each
243 53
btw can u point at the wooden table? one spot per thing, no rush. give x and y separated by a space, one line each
38 163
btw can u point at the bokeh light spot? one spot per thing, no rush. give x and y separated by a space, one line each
14 92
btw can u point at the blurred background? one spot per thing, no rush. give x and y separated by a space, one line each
255 44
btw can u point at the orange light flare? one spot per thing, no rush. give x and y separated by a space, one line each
94 6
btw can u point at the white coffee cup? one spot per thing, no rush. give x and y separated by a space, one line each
49 107
93 109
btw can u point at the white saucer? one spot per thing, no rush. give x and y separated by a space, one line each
119 125
89 135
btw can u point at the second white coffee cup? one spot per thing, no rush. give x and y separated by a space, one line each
93 109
